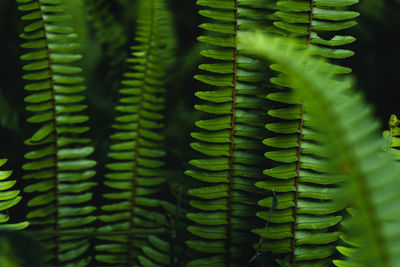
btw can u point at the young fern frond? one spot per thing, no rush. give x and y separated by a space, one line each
223 194
392 136
8 199
304 226
355 149
58 166
136 175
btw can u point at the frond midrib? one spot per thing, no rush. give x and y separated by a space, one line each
231 145
297 181
359 176
136 149
298 163
55 135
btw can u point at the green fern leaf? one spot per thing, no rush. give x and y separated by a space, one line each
352 242
223 194
355 146
8 199
58 164
306 216
392 136
136 175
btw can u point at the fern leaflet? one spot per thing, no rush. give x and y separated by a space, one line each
392 136
8 199
355 147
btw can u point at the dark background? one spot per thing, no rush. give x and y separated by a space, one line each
375 66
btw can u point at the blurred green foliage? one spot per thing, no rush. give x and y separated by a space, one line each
18 249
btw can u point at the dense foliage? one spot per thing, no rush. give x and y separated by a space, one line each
281 162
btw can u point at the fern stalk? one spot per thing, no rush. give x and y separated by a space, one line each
231 140
392 136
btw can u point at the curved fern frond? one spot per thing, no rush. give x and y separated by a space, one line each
304 226
8 199
58 164
354 147
352 241
223 194
136 176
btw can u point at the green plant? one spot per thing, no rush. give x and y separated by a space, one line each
229 139
135 179
8 199
287 169
58 163
355 147
304 224
391 135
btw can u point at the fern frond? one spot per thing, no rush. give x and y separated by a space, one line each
224 198
58 164
352 242
8 199
304 225
392 136
354 147
136 175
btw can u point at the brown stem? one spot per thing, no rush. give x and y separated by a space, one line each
298 164
231 148
136 149
296 184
